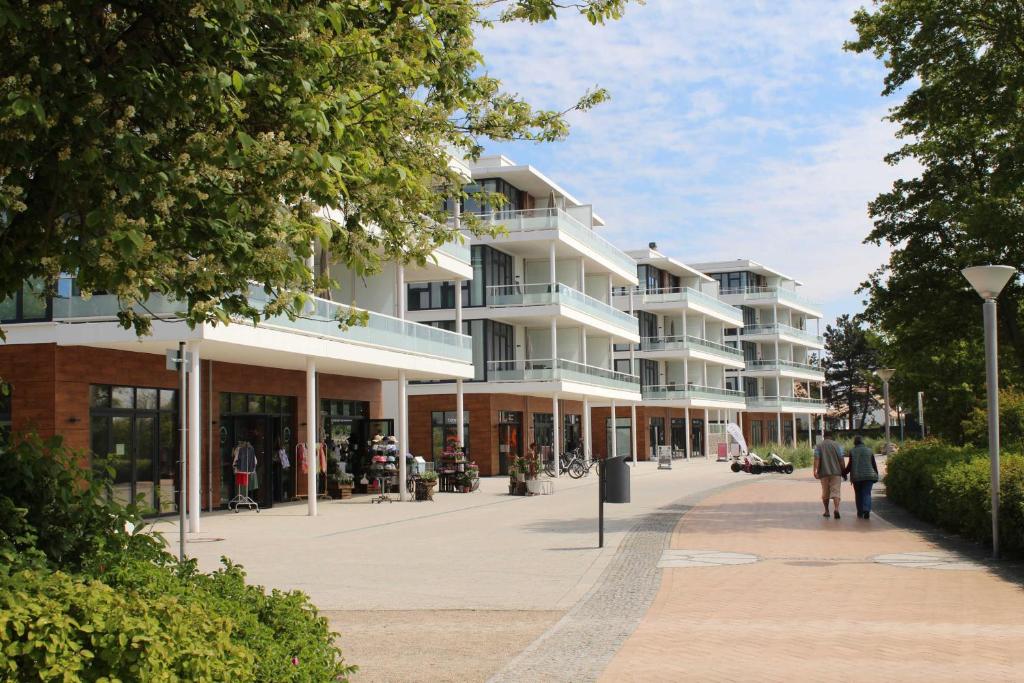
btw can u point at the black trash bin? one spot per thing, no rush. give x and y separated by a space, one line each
616 480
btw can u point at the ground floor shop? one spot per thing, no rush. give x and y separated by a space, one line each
497 428
122 408
760 428
687 432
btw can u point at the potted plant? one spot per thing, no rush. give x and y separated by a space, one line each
425 484
346 482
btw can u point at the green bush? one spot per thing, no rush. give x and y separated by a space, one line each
86 594
949 486
800 456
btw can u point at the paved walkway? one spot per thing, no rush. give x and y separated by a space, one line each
756 585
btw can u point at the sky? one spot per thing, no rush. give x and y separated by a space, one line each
735 129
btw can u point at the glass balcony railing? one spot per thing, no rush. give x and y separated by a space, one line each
533 220
546 370
544 294
769 293
686 343
457 250
777 364
321 319
676 392
782 329
684 295
778 402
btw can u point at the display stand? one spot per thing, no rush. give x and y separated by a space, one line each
244 466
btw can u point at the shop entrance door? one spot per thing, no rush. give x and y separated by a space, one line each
696 437
510 439
264 433
347 437
656 435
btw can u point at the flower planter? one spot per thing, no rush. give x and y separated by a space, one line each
345 490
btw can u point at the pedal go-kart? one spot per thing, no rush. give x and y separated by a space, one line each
752 463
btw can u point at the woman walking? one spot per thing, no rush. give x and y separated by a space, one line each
863 471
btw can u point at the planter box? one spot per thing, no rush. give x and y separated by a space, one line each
345 491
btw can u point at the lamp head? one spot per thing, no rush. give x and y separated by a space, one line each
885 374
988 281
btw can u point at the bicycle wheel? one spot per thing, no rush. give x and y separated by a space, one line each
549 468
577 469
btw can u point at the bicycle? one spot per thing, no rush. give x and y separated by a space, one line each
571 463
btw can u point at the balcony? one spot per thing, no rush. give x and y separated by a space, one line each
687 296
689 343
536 220
456 249
678 392
549 370
794 404
784 330
547 294
768 294
320 320
793 367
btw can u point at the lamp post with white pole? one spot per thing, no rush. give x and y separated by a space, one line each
988 282
885 374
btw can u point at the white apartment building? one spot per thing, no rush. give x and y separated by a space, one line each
782 377
683 359
540 313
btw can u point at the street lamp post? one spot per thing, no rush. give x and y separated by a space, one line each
885 374
988 282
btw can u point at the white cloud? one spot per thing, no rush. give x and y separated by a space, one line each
736 129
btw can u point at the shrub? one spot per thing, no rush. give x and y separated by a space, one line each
950 487
83 598
799 456
1011 421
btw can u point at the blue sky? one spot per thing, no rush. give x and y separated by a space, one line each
736 129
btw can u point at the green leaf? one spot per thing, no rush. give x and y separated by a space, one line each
236 81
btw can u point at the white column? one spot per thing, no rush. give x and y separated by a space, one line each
778 417
556 449
705 380
552 271
311 418
554 344
583 275
400 292
583 344
459 404
587 448
632 430
794 430
195 431
687 426
613 446
403 433
810 426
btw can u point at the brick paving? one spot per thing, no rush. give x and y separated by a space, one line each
816 606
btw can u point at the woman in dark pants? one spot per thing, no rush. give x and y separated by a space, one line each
863 471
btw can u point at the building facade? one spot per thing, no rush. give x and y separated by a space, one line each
782 376
540 313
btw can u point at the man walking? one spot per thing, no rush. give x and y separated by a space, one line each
828 469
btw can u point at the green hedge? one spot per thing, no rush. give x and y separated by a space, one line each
949 487
85 595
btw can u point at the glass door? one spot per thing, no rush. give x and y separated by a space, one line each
656 435
146 458
510 439
697 437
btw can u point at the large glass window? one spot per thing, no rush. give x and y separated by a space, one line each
648 324
623 435
756 436
28 304
543 433
679 434
133 430
572 432
648 373
445 433
425 296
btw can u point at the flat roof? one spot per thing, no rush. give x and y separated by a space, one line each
656 258
525 177
741 264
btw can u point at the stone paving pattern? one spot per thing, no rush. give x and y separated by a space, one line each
816 606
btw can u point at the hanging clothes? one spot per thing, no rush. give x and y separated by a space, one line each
300 456
245 458
321 456
282 457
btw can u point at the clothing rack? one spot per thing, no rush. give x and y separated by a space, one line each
243 462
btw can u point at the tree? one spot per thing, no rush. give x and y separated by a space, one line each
961 65
851 358
186 148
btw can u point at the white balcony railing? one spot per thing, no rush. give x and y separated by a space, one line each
457 250
684 295
768 293
547 369
534 220
777 402
686 343
669 392
320 320
778 364
545 294
782 329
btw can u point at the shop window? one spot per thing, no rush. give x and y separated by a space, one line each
623 435
132 432
5 416
678 434
344 408
445 433
572 432
756 436
543 432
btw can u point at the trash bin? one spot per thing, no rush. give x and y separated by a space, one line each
616 480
